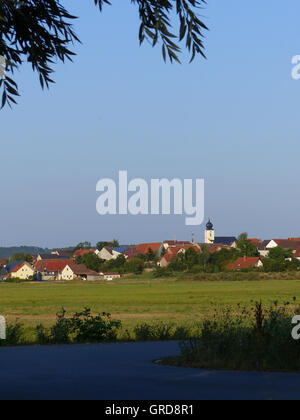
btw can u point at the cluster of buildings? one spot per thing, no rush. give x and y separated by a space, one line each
51 267
61 264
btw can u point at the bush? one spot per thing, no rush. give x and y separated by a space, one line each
43 335
60 333
256 339
14 335
17 280
81 328
87 328
162 272
161 331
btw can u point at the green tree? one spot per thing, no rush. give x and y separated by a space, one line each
41 33
151 255
246 247
113 244
90 260
277 260
177 263
29 258
280 254
135 265
115 264
191 257
83 245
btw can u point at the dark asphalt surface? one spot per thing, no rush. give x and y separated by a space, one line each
125 372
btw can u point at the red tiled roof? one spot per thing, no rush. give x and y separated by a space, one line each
17 268
81 252
173 250
297 253
168 257
53 265
243 262
144 248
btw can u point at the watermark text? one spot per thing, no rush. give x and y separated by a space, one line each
138 197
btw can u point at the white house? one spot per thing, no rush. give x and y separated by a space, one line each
107 254
78 271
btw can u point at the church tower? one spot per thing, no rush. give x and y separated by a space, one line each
209 233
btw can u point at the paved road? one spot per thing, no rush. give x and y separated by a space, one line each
126 371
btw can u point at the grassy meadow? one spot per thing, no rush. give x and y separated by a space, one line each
142 298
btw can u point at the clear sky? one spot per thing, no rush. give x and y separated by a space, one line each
232 120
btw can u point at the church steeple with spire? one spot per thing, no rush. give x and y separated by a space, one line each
209 233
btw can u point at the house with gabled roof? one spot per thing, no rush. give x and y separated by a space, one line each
107 253
78 271
20 270
51 269
283 243
246 262
166 259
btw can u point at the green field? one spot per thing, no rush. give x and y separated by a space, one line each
138 299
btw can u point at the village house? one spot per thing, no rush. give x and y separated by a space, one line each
165 260
49 270
283 243
246 262
78 271
107 254
19 270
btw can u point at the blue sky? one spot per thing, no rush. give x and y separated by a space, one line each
232 120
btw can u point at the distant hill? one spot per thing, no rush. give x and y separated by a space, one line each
7 252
